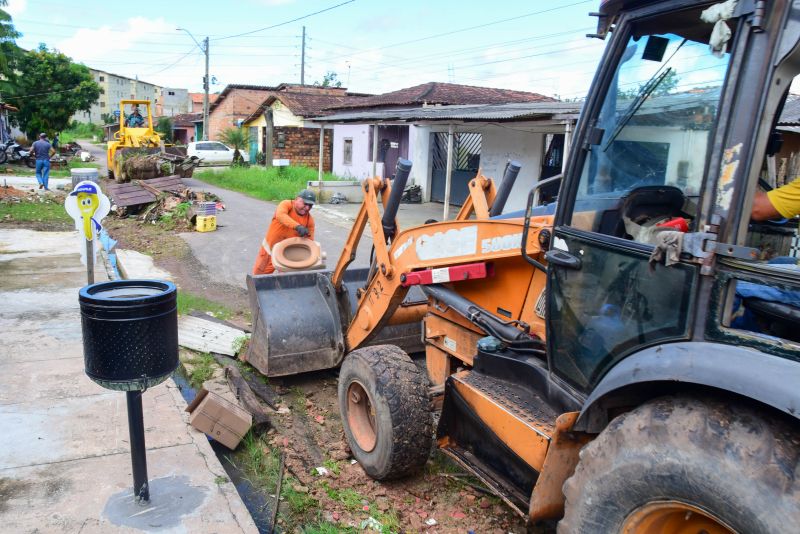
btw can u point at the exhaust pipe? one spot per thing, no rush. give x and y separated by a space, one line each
509 177
399 184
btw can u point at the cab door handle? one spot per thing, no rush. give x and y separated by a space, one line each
562 259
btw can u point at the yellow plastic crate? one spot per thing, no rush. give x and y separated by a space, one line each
206 223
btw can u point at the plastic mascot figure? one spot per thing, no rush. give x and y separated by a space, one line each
87 205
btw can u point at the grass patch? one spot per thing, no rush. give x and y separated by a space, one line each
265 184
35 212
355 502
80 130
325 527
188 301
259 462
333 466
202 367
220 480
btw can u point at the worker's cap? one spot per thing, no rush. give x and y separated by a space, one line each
308 196
42 135
85 188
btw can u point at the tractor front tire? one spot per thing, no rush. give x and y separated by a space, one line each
383 399
687 464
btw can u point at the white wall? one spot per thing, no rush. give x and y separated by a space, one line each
502 144
361 167
419 152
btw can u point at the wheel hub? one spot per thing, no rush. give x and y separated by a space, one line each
673 517
361 417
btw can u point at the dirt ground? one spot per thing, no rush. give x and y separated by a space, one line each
307 430
311 435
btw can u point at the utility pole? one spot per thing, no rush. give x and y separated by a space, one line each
205 96
303 59
206 81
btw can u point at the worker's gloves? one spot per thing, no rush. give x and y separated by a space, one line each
301 230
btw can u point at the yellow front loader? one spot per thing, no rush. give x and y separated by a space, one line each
134 135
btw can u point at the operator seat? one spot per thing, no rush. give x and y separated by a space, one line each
642 205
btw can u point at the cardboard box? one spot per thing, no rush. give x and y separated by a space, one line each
219 418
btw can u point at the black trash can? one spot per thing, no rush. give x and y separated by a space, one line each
130 333
130 343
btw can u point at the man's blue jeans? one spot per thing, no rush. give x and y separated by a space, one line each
43 172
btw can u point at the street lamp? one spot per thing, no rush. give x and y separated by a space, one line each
204 49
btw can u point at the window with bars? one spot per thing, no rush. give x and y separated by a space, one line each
347 151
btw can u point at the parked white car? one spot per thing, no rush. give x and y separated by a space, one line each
211 152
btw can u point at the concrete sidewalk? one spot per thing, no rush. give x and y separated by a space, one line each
64 458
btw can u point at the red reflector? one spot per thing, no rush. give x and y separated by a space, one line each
457 273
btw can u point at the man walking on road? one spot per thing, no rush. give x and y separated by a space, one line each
41 150
292 219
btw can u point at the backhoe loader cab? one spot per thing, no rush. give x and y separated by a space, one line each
630 362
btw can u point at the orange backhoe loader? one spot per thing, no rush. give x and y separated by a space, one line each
625 359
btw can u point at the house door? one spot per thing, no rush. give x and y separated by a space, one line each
253 149
392 145
551 165
466 160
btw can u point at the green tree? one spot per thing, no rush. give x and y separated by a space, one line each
237 139
49 89
331 79
9 51
164 127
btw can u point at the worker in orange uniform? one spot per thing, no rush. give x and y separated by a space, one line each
292 219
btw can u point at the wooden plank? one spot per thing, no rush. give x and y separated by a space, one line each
131 194
206 336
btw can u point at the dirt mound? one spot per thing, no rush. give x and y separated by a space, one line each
10 191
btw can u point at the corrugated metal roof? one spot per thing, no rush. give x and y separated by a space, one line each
480 113
791 112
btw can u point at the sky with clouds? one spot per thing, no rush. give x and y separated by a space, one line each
374 46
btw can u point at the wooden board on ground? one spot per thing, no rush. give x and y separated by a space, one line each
132 194
207 336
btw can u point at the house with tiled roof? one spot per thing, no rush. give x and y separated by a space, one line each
235 103
444 94
477 144
183 127
294 137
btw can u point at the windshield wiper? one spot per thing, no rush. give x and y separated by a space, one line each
646 91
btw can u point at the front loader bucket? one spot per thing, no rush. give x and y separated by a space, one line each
299 322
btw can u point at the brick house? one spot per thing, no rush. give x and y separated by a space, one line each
196 101
235 103
293 136
183 127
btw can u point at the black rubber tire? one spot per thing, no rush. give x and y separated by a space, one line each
399 394
3 156
110 174
727 458
30 162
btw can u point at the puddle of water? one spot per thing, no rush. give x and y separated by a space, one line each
258 504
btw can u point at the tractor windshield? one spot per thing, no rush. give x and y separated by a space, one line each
654 125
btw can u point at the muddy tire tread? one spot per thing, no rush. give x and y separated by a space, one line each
404 387
738 458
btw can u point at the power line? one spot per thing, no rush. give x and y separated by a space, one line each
460 30
284 23
192 50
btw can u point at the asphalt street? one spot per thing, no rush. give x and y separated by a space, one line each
229 252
